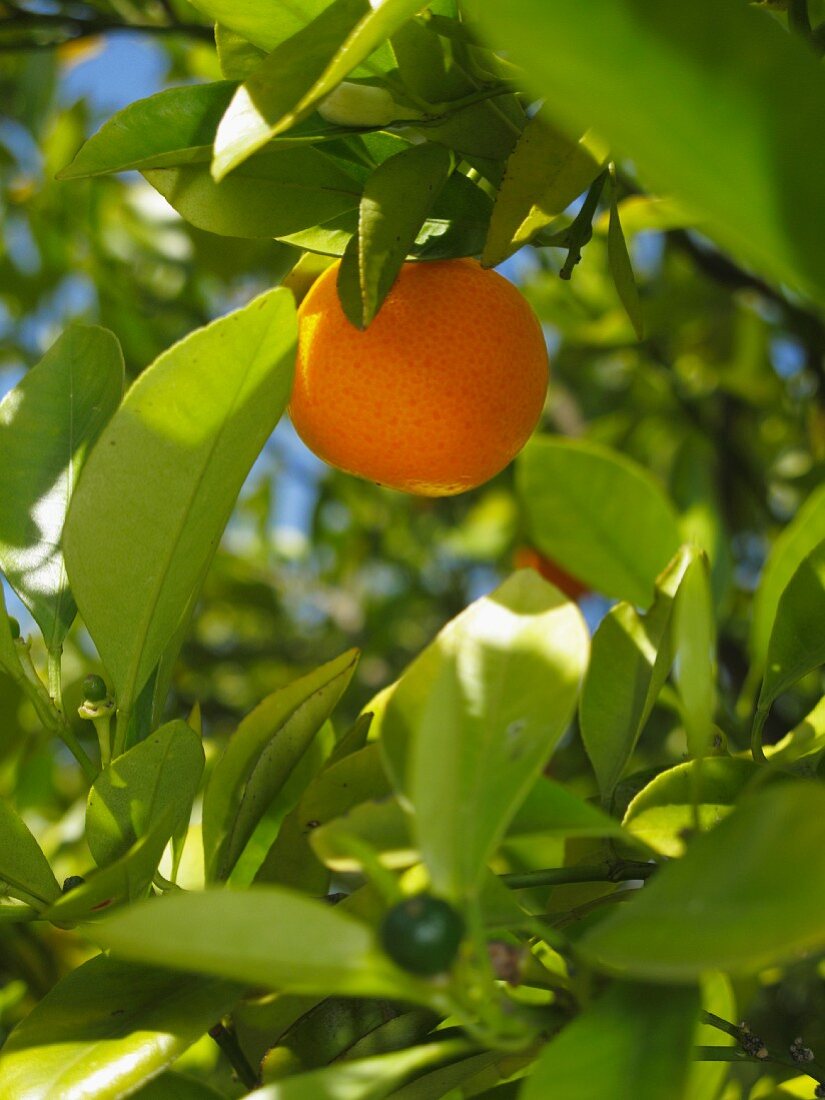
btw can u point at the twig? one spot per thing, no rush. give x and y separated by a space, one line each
75 28
626 871
228 1042
750 1048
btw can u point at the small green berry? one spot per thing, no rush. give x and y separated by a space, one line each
94 689
14 627
422 934
72 882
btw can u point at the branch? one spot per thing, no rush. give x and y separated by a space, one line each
62 29
624 871
724 271
750 1048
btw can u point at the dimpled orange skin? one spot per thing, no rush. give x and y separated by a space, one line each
437 395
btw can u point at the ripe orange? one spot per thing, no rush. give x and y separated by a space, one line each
526 557
437 395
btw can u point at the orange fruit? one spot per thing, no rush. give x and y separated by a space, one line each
528 558
437 395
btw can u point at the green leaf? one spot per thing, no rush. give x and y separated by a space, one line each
265 23
706 1078
444 1082
545 172
380 827
598 514
160 485
161 773
336 790
107 1027
552 810
126 879
260 757
238 58
502 697
300 72
48 423
805 531
748 895
9 657
364 1078
274 194
662 813
805 740
797 644
278 85
173 127
24 870
620 267
397 198
176 1086
633 1033
263 936
694 641
722 82
631 657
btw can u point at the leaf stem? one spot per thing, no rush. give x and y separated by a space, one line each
227 1040
626 871
581 230
56 678
757 749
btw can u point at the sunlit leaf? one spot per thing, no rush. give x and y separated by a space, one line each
48 424
159 487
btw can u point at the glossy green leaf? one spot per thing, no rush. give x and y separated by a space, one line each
797 644
633 1033
805 531
260 757
748 895
48 423
662 813
274 194
380 827
364 1078
266 23
545 173
336 790
24 870
107 1027
694 641
158 774
176 126
279 83
177 1086
126 879
722 82
501 699
446 1080
160 485
238 58
706 1078
621 269
300 72
598 514
9 657
397 199
552 810
631 657
806 740
259 936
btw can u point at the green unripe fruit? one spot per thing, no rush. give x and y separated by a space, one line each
14 627
94 689
72 882
422 934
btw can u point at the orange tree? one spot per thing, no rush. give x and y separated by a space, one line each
371 813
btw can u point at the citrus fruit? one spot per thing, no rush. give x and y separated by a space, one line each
437 395
422 934
94 689
528 558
